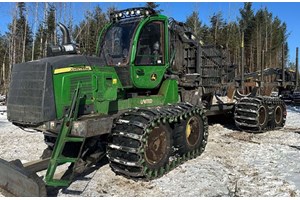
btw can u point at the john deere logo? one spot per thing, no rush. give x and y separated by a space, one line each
153 77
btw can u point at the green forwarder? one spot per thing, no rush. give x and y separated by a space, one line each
142 101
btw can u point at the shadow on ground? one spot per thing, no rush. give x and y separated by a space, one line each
53 191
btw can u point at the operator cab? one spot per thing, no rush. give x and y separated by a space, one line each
118 39
134 44
117 43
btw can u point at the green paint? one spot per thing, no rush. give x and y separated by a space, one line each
103 88
63 137
144 81
104 92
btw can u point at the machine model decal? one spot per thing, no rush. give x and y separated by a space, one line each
72 69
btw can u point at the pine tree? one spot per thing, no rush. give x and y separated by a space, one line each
110 10
51 26
216 29
153 6
3 62
246 25
20 36
193 22
87 32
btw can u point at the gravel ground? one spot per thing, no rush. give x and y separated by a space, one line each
234 164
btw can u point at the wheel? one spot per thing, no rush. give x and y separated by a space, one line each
189 135
251 114
262 117
158 146
137 148
278 118
140 144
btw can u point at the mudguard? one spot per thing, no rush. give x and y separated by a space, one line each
15 179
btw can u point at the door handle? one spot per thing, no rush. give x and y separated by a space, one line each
140 72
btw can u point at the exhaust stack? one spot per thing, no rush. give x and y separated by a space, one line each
66 47
66 36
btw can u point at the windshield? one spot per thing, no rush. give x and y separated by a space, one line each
116 43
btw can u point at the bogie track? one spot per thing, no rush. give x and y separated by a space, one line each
144 142
259 114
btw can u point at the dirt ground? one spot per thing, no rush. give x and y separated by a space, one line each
234 163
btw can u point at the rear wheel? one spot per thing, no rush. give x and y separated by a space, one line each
279 115
252 114
262 116
189 134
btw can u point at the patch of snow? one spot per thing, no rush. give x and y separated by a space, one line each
234 163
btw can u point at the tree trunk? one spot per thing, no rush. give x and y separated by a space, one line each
34 30
46 40
24 38
3 69
55 32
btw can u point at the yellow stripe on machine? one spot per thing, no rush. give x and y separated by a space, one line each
72 69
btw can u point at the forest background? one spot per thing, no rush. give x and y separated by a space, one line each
264 33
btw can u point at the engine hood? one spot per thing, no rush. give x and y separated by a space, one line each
67 60
31 93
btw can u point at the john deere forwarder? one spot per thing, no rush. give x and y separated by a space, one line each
142 101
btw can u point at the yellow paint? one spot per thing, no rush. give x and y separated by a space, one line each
188 130
114 81
72 69
153 77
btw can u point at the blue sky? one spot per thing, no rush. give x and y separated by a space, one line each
288 12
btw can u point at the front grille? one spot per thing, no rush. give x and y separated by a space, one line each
30 97
86 86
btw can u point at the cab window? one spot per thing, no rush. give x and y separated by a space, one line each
150 48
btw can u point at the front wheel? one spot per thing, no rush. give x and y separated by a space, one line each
157 148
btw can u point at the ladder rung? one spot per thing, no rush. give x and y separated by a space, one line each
63 159
61 183
74 139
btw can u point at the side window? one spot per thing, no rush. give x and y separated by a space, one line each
150 49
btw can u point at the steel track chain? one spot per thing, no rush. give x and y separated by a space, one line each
129 137
247 112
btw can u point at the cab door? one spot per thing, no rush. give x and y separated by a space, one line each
149 61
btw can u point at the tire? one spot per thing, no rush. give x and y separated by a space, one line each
263 116
141 145
189 134
278 118
158 147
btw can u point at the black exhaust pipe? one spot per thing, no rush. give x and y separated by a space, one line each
66 36
66 47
